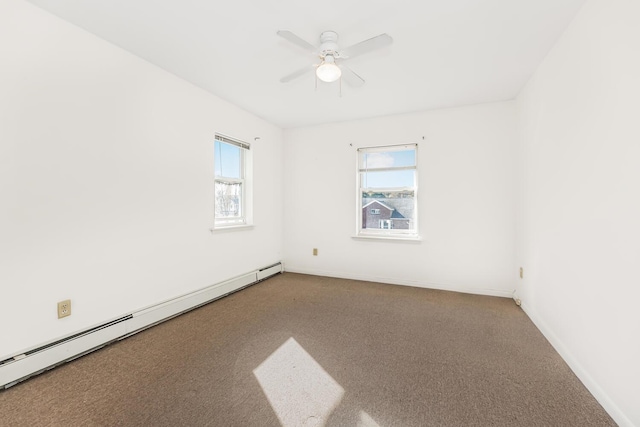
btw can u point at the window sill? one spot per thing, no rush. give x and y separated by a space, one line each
231 228
410 238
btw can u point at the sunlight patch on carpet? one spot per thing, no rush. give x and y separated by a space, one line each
299 390
365 420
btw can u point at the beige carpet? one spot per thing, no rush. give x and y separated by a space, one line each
305 350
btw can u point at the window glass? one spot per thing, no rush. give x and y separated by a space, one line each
388 159
231 203
388 179
387 188
228 199
228 160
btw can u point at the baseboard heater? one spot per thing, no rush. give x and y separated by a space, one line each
45 357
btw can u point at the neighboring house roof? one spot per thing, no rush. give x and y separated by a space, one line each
394 212
403 205
380 203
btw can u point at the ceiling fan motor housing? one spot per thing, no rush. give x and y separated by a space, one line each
329 44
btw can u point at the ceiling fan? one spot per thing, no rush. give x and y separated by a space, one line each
332 58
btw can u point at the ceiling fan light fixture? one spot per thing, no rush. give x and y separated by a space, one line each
328 71
328 51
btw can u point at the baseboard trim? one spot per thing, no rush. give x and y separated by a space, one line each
594 388
415 284
47 356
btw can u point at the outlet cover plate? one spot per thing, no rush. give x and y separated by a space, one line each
64 308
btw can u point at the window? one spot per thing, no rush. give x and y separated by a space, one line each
387 192
231 202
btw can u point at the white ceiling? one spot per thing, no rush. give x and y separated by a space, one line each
445 52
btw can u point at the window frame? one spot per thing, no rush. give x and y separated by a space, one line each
244 219
391 233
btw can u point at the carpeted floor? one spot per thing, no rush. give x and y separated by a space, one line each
301 350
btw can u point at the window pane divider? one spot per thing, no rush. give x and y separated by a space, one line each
229 180
385 189
390 169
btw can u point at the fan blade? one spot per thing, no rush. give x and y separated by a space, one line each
296 74
367 45
350 77
286 34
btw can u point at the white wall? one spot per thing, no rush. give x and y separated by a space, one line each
106 181
466 200
579 210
